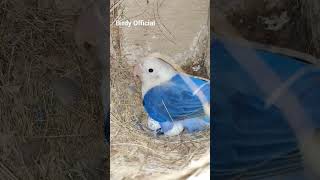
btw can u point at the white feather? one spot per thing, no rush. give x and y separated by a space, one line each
175 130
152 124
162 72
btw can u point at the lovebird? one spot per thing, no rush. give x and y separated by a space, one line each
173 100
266 113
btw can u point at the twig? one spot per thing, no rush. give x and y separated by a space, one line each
115 6
7 172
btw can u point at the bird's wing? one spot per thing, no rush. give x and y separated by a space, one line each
175 100
253 140
250 141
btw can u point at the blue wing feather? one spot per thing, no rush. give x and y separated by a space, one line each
248 140
174 100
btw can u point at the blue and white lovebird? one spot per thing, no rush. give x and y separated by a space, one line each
173 100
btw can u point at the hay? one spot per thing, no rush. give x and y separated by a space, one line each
133 145
40 137
135 152
310 12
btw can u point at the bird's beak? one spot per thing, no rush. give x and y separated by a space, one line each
137 70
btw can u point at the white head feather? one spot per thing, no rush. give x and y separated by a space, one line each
153 71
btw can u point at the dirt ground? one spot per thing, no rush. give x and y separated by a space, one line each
181 31
50 107
178 25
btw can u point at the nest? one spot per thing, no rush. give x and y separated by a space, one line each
135 152
39 135
310 14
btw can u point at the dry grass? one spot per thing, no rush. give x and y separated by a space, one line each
245 21
135 152
133 146
310 14
41 138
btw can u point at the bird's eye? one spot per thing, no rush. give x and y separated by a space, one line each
150 70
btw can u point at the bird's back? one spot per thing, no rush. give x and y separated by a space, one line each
175 100
251 137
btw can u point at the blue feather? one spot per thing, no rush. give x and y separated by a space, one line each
175 101
249 139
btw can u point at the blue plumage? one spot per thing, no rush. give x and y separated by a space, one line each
253 138
174 101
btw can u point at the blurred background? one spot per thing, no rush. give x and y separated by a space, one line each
283 23
267 39
51 111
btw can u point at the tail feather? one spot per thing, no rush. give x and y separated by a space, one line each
196 124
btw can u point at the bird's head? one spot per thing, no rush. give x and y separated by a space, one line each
153 71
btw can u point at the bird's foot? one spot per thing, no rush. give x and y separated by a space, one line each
158 132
